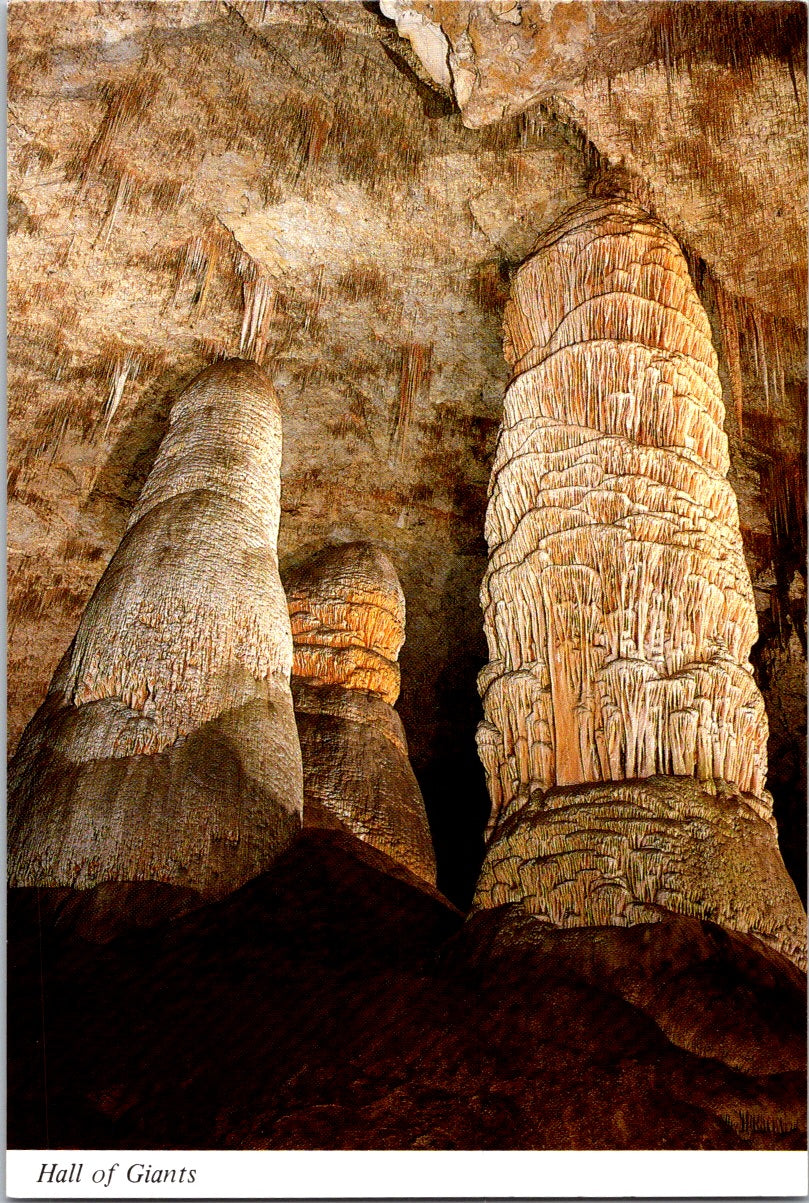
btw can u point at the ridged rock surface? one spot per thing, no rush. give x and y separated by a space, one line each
618 606
360 234
166 750
348 623
633 852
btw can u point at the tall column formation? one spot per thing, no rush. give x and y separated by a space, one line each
348 625
618 606
166 750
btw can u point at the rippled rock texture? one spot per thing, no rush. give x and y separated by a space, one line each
189 182
166 750
348 625
634 852
297 184
618 607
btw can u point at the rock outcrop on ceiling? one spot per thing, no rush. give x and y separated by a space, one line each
707 103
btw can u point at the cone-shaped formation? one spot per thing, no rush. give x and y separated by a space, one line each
348 620
166 750
618 606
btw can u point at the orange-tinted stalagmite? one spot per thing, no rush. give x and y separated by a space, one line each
348 624
618 605
166 750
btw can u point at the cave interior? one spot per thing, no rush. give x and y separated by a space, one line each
343 198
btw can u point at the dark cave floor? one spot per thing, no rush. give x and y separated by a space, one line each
332 1005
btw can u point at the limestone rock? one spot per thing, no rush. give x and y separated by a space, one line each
426 37
634 852
618 606
348 619
347 612
690 96
185 176
166 749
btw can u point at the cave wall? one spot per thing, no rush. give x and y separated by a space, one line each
291 183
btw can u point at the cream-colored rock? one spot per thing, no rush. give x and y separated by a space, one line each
630 852
618 607
426 37
166 750
348 620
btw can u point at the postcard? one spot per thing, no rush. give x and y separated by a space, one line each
406 599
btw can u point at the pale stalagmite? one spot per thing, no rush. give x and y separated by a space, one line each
618 606
348 625
166 749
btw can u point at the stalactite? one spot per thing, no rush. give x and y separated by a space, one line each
126 188
348 621
166 749
617 603
318 128
414 375
730 337
361 281
123 370
126 104
762 339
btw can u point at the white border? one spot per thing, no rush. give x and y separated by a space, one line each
412 1175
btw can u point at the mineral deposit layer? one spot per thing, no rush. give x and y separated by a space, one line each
347 612
348 623
618 607
166 749
624 737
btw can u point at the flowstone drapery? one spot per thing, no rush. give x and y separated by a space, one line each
618 606
166 749
348 625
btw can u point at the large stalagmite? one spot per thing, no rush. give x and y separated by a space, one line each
166 750
348 623
618 606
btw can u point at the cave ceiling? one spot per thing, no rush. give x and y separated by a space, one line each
340 191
